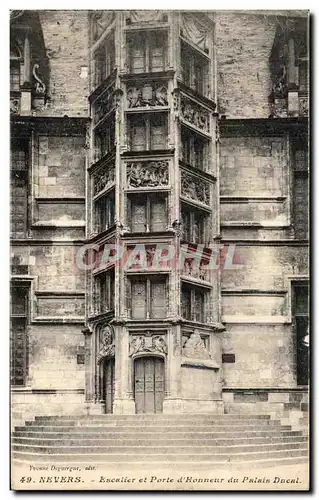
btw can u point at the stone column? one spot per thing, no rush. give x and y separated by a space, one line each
173 403
91 372
292 69
88 364
293 97
123 397
27 59
26 88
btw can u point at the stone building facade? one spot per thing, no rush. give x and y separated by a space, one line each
159 176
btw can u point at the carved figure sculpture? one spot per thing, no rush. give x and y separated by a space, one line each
107 348
195 347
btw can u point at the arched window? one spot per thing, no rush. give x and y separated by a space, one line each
16 61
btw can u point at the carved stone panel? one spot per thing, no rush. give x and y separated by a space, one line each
103 178
104 104
105 343
14 105
148 343
279 108
176 101
191 268
194 347
147 173
194 188
303 106
280 83
196 354
147 94
193 113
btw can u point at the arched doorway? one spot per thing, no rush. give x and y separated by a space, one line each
149 378
108 383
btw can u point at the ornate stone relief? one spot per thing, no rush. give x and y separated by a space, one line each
194 114
303 106
192 269
148 343
147 173
194 188
100 20
194 31
14 106
106 343
102 179
150 253
194 347
176 100
147 94
280 85
178 228
279 108
196 354
105 103
39 85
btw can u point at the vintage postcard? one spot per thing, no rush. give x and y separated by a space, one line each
159 250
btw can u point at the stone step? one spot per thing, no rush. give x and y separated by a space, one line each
183 466
158 458
160 441
150 423
96 433
157 429
150 450
158 416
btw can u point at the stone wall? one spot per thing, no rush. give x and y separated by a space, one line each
256 170
59 169
66 40
28 403
53 352
52 266
265 267
256 205
264 355
243 45
290 406
55 381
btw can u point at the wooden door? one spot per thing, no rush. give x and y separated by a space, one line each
109 384
149 384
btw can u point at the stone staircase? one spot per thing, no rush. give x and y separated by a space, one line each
141 441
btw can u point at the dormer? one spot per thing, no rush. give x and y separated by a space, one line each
29 68
289 69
